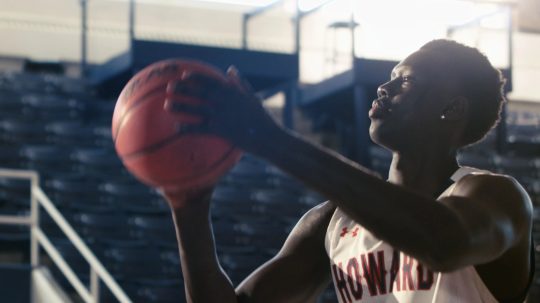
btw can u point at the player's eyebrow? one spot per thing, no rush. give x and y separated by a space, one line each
395 71
410 77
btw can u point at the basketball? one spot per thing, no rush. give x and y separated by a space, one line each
146 136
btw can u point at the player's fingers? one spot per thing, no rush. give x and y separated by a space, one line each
233 75
192 87
204 79
202 110
191 129
240 82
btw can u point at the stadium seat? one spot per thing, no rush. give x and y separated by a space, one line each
278 203
47 159
239 266
22 131
311 199
10 102
154 229
231 199
14 235
51 107
75 191
134 197
11 157
164 294
103 136
70 134
97 162
95 226
15 192
225 233
138 263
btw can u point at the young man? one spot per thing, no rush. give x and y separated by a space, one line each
432 232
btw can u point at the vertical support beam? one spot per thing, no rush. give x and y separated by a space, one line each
245 20
131 24
291 97
84 38
501 139
293 92
131 51
361 127
353 38
297 20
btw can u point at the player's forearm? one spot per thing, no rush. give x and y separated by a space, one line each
203 277
407 220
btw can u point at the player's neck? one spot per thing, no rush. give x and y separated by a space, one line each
423 170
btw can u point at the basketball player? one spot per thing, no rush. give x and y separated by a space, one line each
432 232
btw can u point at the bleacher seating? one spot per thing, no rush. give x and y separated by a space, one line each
55 125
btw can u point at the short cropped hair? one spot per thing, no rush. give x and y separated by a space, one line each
479 82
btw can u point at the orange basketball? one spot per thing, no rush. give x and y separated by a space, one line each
146 135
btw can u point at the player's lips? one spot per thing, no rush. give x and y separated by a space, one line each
380 108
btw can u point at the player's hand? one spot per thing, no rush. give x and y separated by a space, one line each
232 110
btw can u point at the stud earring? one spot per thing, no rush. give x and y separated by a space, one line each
443 117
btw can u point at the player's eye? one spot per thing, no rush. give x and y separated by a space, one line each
407 79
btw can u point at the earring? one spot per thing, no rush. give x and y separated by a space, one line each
443 117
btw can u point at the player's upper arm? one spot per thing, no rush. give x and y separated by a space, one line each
494 214
300 271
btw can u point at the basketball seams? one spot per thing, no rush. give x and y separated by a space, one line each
152 147
193 178
141 100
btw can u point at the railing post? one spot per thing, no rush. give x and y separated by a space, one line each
94 285
34 216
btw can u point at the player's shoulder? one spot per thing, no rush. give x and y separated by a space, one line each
479 179
319 213
315 221
495 187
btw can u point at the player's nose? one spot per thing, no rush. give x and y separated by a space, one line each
382 91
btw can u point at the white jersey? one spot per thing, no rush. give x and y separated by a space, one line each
366 269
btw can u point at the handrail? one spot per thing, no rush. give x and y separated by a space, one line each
80 245
15 220
63 266
38 237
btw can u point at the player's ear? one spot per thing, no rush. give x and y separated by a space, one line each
456 110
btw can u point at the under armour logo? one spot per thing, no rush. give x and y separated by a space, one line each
345 231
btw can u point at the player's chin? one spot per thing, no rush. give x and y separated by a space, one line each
382 133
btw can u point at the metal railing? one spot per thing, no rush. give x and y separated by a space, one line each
39 239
